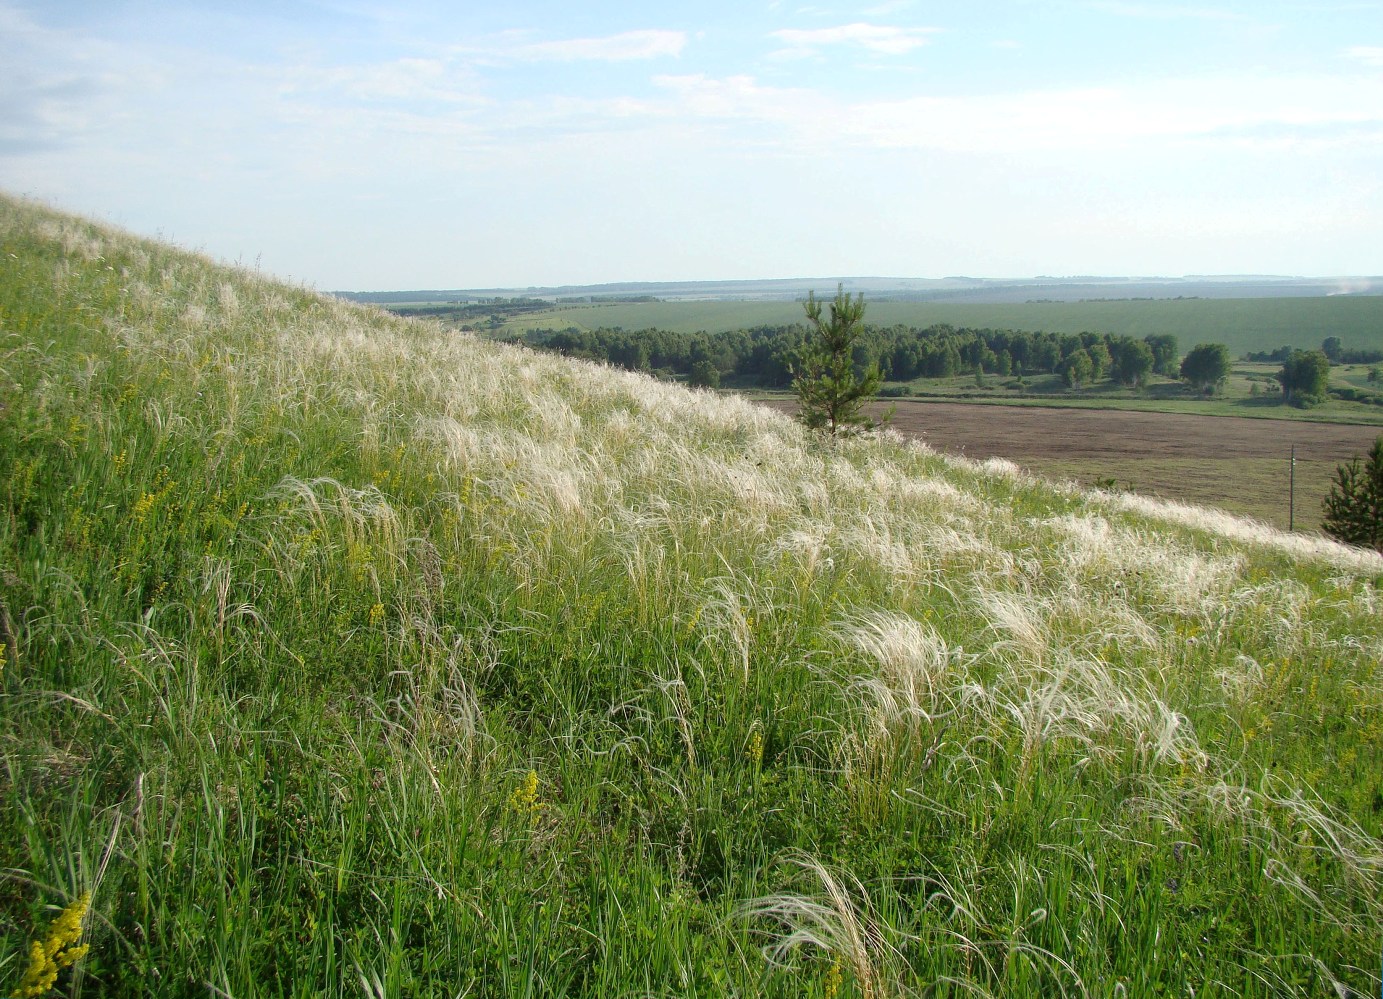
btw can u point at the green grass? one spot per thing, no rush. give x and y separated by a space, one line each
1243 325
297 596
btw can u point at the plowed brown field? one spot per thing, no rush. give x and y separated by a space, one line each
1239 465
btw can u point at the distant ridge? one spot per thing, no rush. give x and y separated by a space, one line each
948 289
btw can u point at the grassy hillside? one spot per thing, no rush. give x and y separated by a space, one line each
347 656
1242 324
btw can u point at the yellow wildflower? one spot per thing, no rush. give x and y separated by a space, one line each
754 752
524 800
833 980
58 951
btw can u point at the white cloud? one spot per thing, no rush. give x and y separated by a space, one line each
1369 55
882 39
625 46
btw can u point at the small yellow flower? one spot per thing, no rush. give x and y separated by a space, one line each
754 752
59 950
524 800
833 980
376 614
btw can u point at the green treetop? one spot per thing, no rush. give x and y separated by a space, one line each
831 393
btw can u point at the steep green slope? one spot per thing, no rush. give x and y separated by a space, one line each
347 655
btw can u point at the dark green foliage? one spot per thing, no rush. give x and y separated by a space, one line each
763 355
1304 377
1100 359
1351 394
831 392
1354 507
1206 367
703 375
1133 361
1164 352
1077 369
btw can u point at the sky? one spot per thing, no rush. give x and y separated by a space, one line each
362 145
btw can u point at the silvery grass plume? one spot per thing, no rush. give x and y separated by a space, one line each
838 921
918 678
1303 546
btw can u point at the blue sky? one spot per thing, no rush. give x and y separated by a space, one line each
361 145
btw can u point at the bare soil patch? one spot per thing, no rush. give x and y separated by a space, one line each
1240 465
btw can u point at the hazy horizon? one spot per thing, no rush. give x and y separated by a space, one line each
1230 285
360 145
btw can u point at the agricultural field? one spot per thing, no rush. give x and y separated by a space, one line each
1243 325
1251 391
344 654
1239 465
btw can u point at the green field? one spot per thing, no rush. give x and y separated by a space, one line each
1241 324
347 655
1161 395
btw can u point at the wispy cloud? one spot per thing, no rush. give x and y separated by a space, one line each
1165 12
1238 111
877 38
432 81
623 47
738 97
56 88
1369 55
1241 111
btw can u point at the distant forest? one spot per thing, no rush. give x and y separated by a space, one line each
763 356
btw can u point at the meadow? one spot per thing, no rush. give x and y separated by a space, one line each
346 654
1243 325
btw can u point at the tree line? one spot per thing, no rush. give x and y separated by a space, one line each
1332 347
766 356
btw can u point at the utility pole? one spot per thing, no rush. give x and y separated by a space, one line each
1292 494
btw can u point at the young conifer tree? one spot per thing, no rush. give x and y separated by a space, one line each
831 394
1354 507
